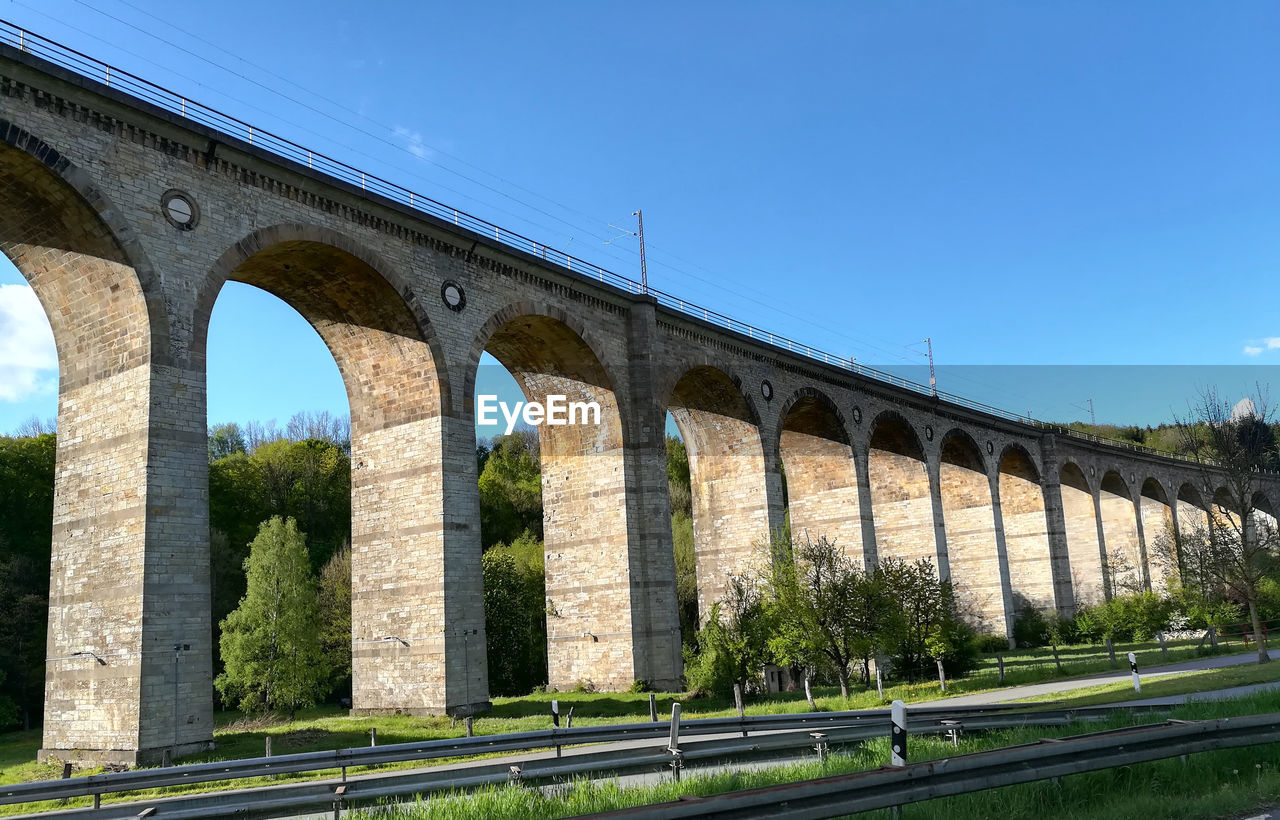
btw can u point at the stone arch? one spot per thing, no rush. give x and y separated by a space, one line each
584 492
901 496
731 509
1193 511
313 243
822 476
121 486
1026 531
1117 510
52 214
1158 533
968 516
1264 510
414 558
1084 550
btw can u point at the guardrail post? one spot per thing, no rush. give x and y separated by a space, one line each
737 702
942 676
470 729
338 794
555 722
653 708
673 743
898 734
1000 666
820 745
268 743
373 736
1133 667
953 731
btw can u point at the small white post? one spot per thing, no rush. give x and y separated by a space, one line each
673 744
879 682
898 734
1133 667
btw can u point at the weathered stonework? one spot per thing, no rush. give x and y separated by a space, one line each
1012 513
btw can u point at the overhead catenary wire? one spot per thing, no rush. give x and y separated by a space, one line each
737 292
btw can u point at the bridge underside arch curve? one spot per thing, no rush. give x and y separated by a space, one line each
585 503
125 478
1026 532
901 496
1083 544
1158 534
1125 570
822 475
406 543
968 516
731 506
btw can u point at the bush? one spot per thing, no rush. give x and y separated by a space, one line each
710 668
989 644
1063 632
1135 617
1032 628
959 646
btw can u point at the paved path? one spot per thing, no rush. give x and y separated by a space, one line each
1118 676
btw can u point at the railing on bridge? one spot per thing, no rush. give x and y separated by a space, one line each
175 103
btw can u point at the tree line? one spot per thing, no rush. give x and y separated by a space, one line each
816 612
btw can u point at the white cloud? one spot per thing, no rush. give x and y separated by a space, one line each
28 358
1257 346
414 143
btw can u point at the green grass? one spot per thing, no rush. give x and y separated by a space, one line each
328 727
1208 785
1182 683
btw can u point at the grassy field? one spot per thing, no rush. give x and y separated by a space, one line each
1208 785
1184 683
332 728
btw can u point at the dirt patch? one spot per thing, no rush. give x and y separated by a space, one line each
303 737
252 723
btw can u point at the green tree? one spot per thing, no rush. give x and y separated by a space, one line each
515 616
511 489
270 646
224 440
26 532
733 645
825 608
334 606
923 623
1236 548
678 481
686 574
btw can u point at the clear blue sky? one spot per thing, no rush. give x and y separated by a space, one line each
1028 183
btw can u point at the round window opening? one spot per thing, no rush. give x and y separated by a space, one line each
180 210
453 296
766 390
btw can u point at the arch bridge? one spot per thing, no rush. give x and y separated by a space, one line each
128 208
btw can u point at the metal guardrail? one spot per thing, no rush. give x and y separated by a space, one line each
365 789
94 69
887 787
101 784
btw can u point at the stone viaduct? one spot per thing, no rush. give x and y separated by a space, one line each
127 217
